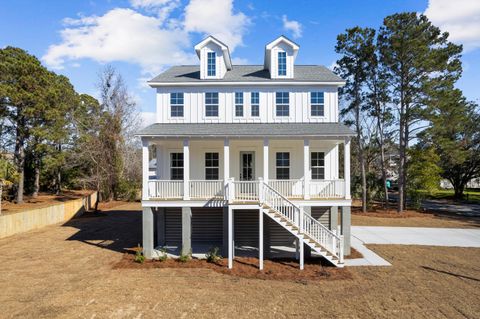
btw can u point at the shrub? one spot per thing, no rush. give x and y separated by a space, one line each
163 254
213 255
185 257
139 257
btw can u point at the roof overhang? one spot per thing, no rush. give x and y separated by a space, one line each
223 47
259 83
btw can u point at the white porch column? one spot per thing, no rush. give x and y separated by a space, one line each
346 169
302 253
145 164
159 160
260 239
306 169
186 169
266 143
230 237
226 160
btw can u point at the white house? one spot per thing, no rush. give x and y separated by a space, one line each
248 158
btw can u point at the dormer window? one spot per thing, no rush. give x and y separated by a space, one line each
211 64
282 63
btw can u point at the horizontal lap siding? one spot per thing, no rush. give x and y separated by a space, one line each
207 226
173 226
279 236
246 227
322 214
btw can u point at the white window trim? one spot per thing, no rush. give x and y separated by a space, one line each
289 164
250 104
204 111
284 118
286 66
235 105
218 167
216 65
316 117
170 152
169 111
324 164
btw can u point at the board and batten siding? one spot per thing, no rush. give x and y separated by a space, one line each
194 105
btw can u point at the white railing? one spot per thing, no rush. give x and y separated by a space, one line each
280 204
206 189
290 188
306 223
327 188
245 191
324 236
165 189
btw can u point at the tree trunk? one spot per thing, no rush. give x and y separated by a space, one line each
1 193
405 161
458 190
58 186
361 158
382 159
36 183
20 158
401 185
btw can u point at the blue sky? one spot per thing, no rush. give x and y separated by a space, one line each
143 37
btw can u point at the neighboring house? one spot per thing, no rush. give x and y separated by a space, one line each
248 158
473 183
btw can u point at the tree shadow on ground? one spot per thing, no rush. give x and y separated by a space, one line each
119 229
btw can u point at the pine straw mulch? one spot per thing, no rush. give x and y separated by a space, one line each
247 267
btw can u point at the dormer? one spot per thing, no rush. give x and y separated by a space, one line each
214 58
280 56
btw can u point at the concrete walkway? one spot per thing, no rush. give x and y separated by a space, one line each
449 237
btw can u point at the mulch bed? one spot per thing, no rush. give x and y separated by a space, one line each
390 213
247 267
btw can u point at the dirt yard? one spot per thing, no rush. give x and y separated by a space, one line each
43 200
68 271
411 218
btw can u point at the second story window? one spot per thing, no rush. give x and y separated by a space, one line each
176 166
282 63
211 166
282 102
255 103
316 104
238 103
211 104
283 165
211 64
318 165
176 104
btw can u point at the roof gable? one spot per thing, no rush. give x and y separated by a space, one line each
223 47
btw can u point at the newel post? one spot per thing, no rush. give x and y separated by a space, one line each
261 192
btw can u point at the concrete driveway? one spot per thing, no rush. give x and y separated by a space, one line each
450 237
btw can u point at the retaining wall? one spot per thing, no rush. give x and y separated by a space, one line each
20 222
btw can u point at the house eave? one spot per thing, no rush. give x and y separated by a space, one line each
234 83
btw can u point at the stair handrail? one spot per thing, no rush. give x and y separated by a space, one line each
291 211
329 240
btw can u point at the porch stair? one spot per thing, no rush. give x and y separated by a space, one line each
307 229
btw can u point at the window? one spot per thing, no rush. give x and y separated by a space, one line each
282 101
318 165
176 166
316 104
211 166
211 63
283 165
211 104
176 104
282 63
238 103
255 103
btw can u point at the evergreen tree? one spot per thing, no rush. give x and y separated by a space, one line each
417 59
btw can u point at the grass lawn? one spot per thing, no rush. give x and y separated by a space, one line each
69 271
472 195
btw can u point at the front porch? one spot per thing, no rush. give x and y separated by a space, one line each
233 170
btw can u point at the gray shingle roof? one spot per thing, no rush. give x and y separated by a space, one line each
247 73
246 130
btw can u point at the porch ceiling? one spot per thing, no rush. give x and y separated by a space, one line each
246 130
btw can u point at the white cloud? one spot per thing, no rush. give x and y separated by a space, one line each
152 39
460 18
292 26
120 35
216 17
